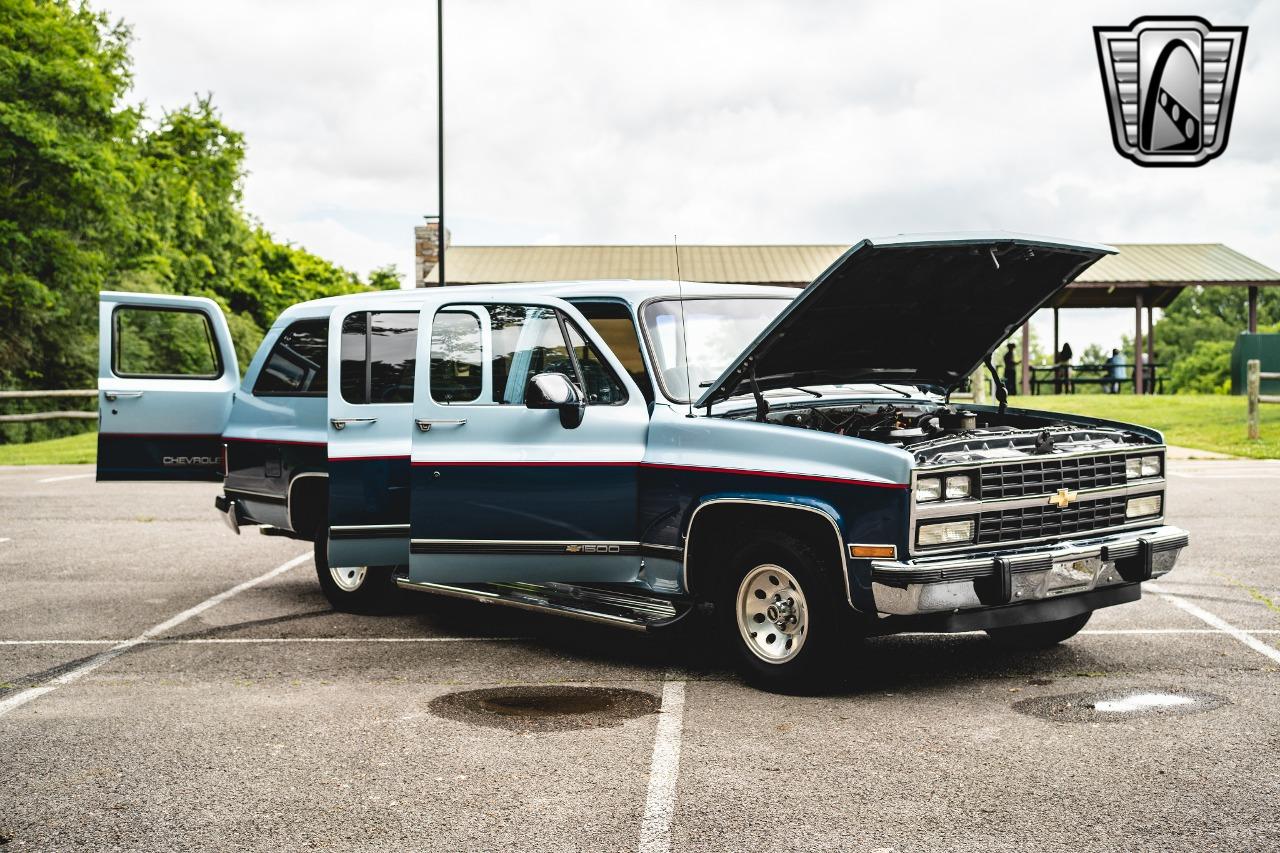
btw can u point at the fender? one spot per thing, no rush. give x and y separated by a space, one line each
782 501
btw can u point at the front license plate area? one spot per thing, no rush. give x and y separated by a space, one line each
1073 575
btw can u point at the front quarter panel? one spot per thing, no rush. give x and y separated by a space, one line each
861 486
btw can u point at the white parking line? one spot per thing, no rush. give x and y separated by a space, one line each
67 477
73 675
198 641
1121 631
1100 631
1188 476
250 640
664 770
5 539
1221 624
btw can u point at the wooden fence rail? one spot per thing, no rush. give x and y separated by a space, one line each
1255 377
26 395
47 416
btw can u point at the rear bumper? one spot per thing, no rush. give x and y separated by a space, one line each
230 512
1017 576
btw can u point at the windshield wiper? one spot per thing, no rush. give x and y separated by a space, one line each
891 388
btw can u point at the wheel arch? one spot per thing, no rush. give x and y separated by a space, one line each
722 514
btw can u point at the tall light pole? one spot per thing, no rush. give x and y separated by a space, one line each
440 126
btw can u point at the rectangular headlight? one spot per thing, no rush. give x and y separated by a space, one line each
1142 507
928 489
945 533
1136 467
958 486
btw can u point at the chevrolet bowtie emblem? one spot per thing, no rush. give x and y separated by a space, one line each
1063 498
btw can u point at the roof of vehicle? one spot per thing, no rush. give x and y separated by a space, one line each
632 292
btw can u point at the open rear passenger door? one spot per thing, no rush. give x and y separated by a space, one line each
372 354
167 375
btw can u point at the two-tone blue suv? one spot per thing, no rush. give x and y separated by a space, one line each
630 452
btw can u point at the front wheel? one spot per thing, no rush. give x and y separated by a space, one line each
1041 635
353 589
785 627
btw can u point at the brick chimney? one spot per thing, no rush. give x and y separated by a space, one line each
426 249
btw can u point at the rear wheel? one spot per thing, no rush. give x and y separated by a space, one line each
785 628
1041 635
353 589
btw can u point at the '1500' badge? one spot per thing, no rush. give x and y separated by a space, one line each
1171 85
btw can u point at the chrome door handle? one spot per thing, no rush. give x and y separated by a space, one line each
426 425
112 396
341 423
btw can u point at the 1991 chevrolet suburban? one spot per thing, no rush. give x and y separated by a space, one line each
629 452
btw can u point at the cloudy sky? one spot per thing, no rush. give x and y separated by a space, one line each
576 121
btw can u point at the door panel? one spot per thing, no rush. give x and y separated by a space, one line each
372 352
167 375
502 492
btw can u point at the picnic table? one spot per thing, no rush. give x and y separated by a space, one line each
1063 378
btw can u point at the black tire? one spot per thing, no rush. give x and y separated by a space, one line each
372 593
1041 635
829 634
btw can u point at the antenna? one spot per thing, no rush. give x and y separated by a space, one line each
684 328
440 127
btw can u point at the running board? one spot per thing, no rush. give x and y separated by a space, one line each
589 603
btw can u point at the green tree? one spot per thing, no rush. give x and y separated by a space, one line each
1206 369
64 183
93 198
1203 315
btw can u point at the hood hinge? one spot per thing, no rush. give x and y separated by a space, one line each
1002 393
762 408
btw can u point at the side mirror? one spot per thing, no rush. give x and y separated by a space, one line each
555 391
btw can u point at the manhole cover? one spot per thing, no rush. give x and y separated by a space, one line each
546 708
1119 705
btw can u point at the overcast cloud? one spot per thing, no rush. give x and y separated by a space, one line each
733 122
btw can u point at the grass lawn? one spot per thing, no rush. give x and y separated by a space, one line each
1202 421
55 451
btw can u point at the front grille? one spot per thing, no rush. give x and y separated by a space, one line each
1046 476
1034 522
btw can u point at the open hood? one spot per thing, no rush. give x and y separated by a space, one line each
922 310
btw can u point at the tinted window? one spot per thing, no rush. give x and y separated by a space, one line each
298 364
393 342
355 358
613 323
163 342
600 386
377 358
526 341
457 365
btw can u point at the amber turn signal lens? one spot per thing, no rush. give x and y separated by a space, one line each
881 552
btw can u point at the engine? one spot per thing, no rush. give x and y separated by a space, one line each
941 433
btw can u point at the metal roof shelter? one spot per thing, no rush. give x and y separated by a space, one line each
1141 275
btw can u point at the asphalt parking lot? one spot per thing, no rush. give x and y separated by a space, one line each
165 684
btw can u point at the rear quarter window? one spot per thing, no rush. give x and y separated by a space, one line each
298 363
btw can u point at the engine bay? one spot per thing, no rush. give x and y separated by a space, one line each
943 433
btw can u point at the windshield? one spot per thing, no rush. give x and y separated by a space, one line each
718 330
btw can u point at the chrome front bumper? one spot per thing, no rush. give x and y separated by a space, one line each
962 582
